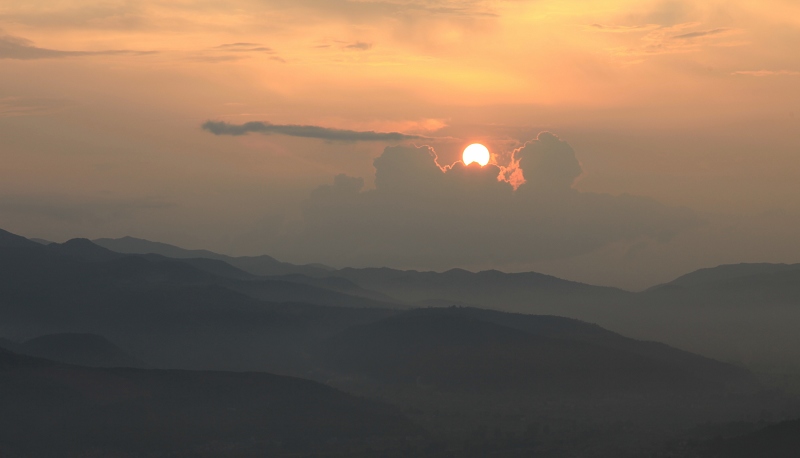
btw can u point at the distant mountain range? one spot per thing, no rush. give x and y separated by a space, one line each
528 292
454 349
742 312
736 312
257 265
453 370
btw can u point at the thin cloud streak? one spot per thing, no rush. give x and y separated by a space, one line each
767 73
292 130
12 47
704 33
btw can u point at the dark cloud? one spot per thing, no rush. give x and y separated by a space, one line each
703 33
548 163
20 48
359 46
223 128
423 214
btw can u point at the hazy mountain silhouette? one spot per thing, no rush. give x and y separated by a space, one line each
164 311
61 410
334 283
549 384
467 349
529 292
526 292
9 240
736 284
257 265
727 272
745 313
89 350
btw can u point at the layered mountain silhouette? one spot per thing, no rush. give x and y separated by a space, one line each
454 349
728 272
89 350
53 409
739 313
257 265
545 382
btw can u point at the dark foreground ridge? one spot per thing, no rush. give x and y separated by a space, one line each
52 409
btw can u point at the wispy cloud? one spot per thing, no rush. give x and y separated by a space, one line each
702 33
767 72
292 130
12 47
624 28
245 47
26 106
359 46
674 39
228 52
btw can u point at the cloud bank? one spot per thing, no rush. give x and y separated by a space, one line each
324 133
427 216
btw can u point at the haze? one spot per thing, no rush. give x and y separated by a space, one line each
654 138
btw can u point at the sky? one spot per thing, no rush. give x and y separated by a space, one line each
632 141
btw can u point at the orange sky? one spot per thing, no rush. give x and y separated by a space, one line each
694 104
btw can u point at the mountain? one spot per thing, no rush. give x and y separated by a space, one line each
90 350
527 292
9 240
781 440
257 265
334 283
167 312
727 272
745 313
558 386
457 349
523 292
61 410
734 285
9 345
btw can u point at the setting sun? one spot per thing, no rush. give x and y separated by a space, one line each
476 153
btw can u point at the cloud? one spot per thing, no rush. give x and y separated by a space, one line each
703 33
245 47
548 163
28 106
238 45
359 46
22 49
423 214
675 39
324 133
761 73
623 28
236 51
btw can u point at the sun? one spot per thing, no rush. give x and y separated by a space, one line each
476 153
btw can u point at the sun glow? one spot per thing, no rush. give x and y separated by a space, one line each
476 153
